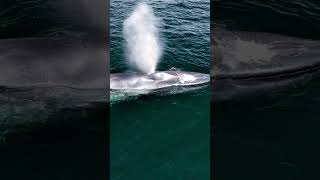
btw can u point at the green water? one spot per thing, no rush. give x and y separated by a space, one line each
163 137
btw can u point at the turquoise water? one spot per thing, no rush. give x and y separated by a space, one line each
163 137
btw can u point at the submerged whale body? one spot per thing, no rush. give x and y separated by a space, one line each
35 72
48 81
251 61
134 82
63 61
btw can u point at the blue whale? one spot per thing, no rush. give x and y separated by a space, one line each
42 77
244 63
141 83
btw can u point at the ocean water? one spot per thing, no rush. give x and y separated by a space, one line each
272 134
163 137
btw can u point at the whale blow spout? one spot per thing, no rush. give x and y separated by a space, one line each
141 33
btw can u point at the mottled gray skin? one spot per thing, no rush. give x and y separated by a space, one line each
157 80
40 77
53 61
245 61
77 62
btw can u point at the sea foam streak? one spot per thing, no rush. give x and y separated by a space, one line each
141 32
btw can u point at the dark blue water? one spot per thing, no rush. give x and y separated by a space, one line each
272 134
163 137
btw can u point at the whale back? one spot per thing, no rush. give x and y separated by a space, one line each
246 55
65 61
157 80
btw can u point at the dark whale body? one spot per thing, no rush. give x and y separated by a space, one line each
43 81
53 98
243 62
60 61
